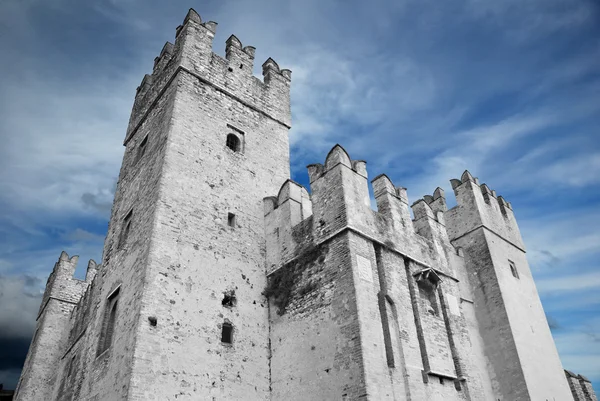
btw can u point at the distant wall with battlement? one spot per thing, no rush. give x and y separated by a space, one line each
223 279
432 296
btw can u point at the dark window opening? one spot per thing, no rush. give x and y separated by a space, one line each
227 333
513 269
441 380
241 65
428 298
125 230
229 300
230 69
108 326
231 219
233 142
141 148
70 369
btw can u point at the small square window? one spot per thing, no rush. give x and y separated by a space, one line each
233 142
513 269
231 219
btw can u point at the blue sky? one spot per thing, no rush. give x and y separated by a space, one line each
422 90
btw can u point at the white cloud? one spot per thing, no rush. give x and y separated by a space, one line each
20 299
569 283
579 348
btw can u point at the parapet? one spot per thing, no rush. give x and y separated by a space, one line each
192 52
283 212
61 284
383 185
340 201
581 387
477 205
337 155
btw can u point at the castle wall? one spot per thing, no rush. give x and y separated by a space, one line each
325 298
477 366
39 371
522 358
406 349
197 257
315 338
535 347
107 376
50 339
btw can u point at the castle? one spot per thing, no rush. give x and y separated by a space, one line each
222 279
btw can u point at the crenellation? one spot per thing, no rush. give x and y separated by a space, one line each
92 270
163 58
392 202
477 207
222 278
239 58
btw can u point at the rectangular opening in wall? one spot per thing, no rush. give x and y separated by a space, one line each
125 228
108 324
141 149
428 297
236 139
231 219
227 333
513 269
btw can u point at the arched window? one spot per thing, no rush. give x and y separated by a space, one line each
233 142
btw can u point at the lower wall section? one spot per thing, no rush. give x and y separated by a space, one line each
315 340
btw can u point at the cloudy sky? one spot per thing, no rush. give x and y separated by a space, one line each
422 90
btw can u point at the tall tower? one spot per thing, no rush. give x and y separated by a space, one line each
62 294
206 143
522 358
222 279
177 310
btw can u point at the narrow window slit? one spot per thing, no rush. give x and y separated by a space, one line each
227 333
513 269
126 227
108 326
231 219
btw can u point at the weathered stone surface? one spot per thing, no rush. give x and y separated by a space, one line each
222 279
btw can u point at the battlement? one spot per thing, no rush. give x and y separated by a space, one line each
478 205
339 200
581 387
193 54
61 284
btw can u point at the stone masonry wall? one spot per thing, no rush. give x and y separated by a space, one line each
523 358
106 376
326 298
62 294
315 338
198 255
403 349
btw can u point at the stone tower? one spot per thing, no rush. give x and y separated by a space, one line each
51 336
522 358
222 279
178 300
379 306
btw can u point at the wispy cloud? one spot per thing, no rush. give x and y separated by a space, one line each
569 283
421 90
